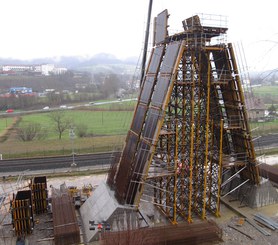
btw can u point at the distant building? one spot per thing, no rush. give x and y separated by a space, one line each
20 90
43 69
47 69
59 71
49 90
17 68
255 108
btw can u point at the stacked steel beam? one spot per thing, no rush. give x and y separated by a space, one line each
183 233
66 229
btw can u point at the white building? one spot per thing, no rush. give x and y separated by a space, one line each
17 68
47 69
44 69
59 71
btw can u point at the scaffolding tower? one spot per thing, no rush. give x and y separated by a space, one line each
190 125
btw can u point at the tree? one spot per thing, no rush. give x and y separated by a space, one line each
29 132
272 110
61 122
110 85
82 130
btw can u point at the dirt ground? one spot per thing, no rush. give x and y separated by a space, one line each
230 219
43 232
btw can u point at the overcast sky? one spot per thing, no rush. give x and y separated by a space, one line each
47 28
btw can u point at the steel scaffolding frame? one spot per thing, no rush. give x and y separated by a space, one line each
190 115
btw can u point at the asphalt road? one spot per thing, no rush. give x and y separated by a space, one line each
100 160
268 141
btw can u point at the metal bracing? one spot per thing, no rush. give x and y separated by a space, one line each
207 104
189 118
197 159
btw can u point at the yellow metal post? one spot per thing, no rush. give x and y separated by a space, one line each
220 168
207 140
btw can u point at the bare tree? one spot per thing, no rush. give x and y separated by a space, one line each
62 123
29 131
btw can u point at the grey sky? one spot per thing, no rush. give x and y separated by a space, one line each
40 28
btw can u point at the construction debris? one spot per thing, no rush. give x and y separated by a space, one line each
267 222
243 233
260 229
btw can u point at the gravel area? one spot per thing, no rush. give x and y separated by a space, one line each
253 236
244 233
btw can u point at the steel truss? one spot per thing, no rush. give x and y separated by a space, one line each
190 116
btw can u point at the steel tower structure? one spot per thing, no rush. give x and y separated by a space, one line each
190 120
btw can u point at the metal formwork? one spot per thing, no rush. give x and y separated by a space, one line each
40 194
22 213
189 118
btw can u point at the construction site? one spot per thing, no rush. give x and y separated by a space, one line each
188 172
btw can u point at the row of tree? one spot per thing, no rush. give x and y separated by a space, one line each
79 87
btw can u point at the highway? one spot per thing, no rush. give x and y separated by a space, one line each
57 162
62 107
100 160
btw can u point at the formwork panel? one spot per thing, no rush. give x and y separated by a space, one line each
125 168
153 68
161 23
151 124
141 160
156 59
40 194
22 213
170 58
139 118
147 90
161 90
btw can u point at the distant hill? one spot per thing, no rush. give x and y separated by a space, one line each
264 77
101 62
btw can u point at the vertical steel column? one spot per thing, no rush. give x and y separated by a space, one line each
175 175
191 151
217 213
207 140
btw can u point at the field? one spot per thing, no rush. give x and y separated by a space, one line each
263 128
264 91
4 123
98 122
268 94
107 126
106 131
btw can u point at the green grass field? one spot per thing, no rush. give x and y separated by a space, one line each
4 123
127 106
261 128
106 132
50 147
97 122
264 91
